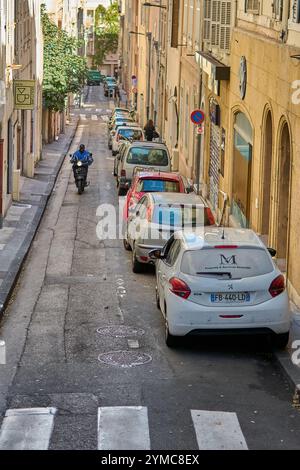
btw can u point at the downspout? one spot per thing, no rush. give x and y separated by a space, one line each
1 182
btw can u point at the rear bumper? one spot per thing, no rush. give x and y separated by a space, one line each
188 318
142 252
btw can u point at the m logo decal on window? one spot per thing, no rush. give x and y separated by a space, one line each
230 260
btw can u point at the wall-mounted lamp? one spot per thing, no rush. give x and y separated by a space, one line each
296 56
148 4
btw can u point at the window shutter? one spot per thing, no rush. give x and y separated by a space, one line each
277 9
215 23
207 20
252 6
175 23
225 28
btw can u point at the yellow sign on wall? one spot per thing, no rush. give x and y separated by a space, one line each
24 94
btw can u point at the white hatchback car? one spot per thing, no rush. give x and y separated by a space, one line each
220 281
123 133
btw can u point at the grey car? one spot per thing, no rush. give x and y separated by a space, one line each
153 155
157 217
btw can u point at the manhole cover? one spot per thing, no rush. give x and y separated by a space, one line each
124 359
120 331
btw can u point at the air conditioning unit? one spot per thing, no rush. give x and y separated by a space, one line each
175 159
29 165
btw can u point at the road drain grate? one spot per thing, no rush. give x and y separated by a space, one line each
120 331
124 359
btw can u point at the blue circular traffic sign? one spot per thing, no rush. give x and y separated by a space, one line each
197 116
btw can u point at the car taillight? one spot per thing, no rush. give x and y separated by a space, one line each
179 287
149 214
277 286
123 173
210 216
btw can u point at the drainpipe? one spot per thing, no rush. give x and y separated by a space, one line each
149 36
1 182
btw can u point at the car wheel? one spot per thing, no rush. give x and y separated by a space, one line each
157 298
280 341
137 267
126 244
171 341
122 191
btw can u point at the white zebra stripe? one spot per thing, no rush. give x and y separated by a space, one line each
94 117
123 428
27 429
218 430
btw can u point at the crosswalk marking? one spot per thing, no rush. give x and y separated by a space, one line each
83 117
94 117
218 430
27 429
123 428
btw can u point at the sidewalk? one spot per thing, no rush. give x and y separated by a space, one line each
284 358
23 217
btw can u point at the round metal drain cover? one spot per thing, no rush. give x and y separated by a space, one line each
120 331
125 359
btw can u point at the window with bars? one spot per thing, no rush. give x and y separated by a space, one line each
277 9
252 6
295 11
217 23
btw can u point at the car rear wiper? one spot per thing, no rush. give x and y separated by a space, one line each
216 274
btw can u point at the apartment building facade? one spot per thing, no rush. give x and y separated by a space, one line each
21 59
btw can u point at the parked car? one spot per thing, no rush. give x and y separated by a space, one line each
152 181
141 154
125 133
110 85
119 122
220 281
156 217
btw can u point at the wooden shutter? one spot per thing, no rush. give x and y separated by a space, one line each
252 6
215 23
225 27
207 20
277 9
175 23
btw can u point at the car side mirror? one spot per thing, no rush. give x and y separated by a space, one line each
272 252
156 254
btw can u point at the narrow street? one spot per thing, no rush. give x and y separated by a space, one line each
73 286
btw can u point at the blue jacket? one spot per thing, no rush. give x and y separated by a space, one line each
85 157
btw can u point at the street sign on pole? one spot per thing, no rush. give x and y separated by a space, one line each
197 116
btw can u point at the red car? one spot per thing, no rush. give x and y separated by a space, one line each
152 181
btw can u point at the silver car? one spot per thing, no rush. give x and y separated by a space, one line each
141 154
156 217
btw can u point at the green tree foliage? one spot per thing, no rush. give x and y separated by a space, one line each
107 28
64 70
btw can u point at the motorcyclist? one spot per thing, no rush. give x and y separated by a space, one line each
84 156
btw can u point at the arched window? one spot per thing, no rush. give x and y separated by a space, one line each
242 159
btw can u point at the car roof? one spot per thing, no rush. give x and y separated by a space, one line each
135 126
162 175
176 198
220 236
125 110
154 145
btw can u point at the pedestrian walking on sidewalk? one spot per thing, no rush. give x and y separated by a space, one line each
150 132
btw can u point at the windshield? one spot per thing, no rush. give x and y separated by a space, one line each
146 156
158 185
239 262
183 215
135 134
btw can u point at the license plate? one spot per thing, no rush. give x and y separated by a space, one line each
230 297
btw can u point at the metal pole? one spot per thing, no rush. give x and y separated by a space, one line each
149 35
199 143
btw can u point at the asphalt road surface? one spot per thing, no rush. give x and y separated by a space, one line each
88 366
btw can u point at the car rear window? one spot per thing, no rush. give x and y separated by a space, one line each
158 185
146 156
239 262
182 215
134 134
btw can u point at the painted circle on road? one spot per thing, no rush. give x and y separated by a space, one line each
197 116
124 359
